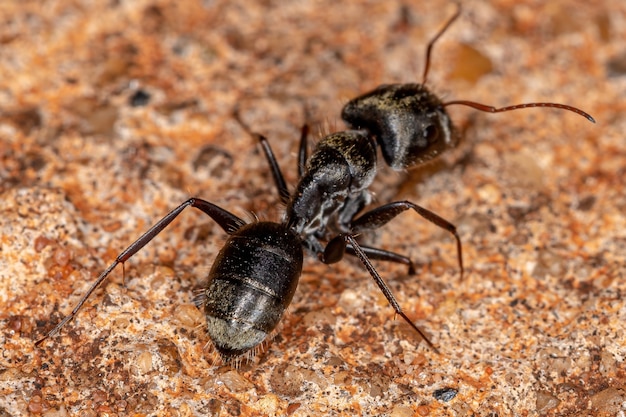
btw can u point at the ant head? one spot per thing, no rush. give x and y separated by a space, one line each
409 123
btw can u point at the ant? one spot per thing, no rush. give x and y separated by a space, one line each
255 274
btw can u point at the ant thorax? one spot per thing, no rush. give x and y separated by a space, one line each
335 184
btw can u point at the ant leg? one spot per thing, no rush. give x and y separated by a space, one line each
304 136
302 152
279 179
283 191
227 221
379 216
383 255
336 248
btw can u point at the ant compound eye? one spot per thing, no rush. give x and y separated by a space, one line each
431 134
426 143
425 138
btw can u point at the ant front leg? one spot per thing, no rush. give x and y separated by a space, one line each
379 216
226 220
338 246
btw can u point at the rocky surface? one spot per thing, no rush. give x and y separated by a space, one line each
112 113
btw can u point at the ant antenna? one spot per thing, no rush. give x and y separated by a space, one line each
484 107
491 109
437 36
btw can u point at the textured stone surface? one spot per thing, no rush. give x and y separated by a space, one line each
113 112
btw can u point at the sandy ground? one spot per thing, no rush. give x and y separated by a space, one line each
113 112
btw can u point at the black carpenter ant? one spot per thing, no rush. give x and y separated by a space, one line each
255 274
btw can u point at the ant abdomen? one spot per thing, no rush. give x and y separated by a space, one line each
409 123
251 283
